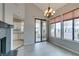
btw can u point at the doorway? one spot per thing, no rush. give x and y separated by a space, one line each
40 30
18 33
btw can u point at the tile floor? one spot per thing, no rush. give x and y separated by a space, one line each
17 43
43 49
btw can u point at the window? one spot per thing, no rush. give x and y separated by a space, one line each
38 29
52 30
76 29
58 30
68 30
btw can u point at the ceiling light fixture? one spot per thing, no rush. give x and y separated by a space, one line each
49 12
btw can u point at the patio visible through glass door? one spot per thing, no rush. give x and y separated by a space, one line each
40 30
44 31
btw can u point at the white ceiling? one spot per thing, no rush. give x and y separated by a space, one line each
55 6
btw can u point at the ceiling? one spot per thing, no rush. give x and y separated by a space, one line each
55 6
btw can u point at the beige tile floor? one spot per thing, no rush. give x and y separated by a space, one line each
17 43
20 51
43 49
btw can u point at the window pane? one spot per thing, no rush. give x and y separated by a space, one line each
76 29
68 30
52 30
58 30
38 29
44 32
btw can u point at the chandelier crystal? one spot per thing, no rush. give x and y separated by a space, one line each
49 12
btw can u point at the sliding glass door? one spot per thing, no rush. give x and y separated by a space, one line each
40 30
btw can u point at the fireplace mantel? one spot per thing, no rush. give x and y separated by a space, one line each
5 25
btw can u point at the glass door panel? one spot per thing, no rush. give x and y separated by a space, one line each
44 32
38 31
76 29
68 30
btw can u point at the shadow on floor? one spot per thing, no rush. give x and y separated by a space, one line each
12 53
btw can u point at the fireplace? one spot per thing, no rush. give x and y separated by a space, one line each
3 46
5 38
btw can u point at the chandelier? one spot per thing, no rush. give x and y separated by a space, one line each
49 12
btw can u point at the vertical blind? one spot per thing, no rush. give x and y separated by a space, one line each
57 19
76 13
66 16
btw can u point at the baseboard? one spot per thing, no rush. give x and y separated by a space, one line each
28 44
65 48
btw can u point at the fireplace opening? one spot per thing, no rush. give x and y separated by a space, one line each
3 46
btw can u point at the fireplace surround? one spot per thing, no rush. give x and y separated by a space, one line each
5 38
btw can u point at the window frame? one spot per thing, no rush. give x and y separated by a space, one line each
71 29
74 28
60 29
51 29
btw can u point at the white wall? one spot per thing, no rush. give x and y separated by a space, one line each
31 12
1 10
20 10
9 13
70 45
